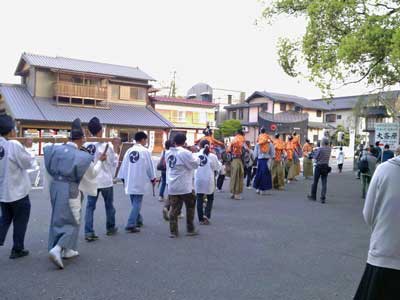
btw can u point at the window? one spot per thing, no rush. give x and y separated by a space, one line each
283 106
203 117
371 121
181 116
115 91
330 118
229 99
297 109
264 107
233 115
240 114
319 113
339 117
196 117
315 138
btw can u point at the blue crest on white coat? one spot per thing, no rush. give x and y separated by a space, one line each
172 161
91 149
2 152
203 160
134 156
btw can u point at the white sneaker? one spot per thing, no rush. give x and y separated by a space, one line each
258 191
181 216
238 197
69 253
249 188
161 199
55 256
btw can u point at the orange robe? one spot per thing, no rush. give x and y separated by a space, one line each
307 149
237 145
290 147
280 147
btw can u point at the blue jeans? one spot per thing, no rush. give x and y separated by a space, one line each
108 195
135 216
163 183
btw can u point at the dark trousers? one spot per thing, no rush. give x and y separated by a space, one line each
18 213
248 174
163 183
108 196
324 180
200 208
340 166
176 202
220 181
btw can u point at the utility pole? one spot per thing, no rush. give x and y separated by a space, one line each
172 88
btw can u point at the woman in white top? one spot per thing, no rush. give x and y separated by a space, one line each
205 181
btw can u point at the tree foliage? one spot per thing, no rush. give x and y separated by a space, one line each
346 41
229 127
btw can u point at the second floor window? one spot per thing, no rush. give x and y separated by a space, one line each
330 118
233 115
240 114
283 106
115 91
319 113
264 107
181 116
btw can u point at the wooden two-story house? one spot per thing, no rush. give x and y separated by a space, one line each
56 90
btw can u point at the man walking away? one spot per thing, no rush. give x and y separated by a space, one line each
278 170
136 172
14 187
387 153
381 277
367 168
248 165
180 166
104 182
263 180
322 169
237 147
377 151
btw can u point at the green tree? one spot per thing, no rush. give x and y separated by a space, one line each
345 42
229 127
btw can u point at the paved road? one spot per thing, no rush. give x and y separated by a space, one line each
263 247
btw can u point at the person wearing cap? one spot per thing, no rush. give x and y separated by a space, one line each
70 172
322 169
278 170
136 172
14 187
104 182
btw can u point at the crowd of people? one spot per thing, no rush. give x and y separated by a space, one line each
190 176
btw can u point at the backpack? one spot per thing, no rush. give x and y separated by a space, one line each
363 166
162 164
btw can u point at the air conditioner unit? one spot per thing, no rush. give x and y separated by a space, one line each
245 129
212 123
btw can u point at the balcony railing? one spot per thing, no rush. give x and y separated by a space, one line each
74 90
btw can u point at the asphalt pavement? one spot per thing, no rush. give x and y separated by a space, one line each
280 246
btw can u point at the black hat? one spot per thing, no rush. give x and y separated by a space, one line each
6 124
277 135
94 126
76 130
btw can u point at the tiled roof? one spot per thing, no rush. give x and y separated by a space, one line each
284 117
277 97
182 101
23 107
349 102
77 65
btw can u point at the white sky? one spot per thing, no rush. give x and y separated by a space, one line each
212 41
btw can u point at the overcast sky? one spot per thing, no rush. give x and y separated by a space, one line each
212 41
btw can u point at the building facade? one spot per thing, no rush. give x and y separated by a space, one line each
280 113
189 116
56 90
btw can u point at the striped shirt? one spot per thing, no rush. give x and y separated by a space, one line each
322 155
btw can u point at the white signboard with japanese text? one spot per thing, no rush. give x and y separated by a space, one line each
387 133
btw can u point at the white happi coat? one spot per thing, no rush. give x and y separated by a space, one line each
180 166
204 178
14 163
137 170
